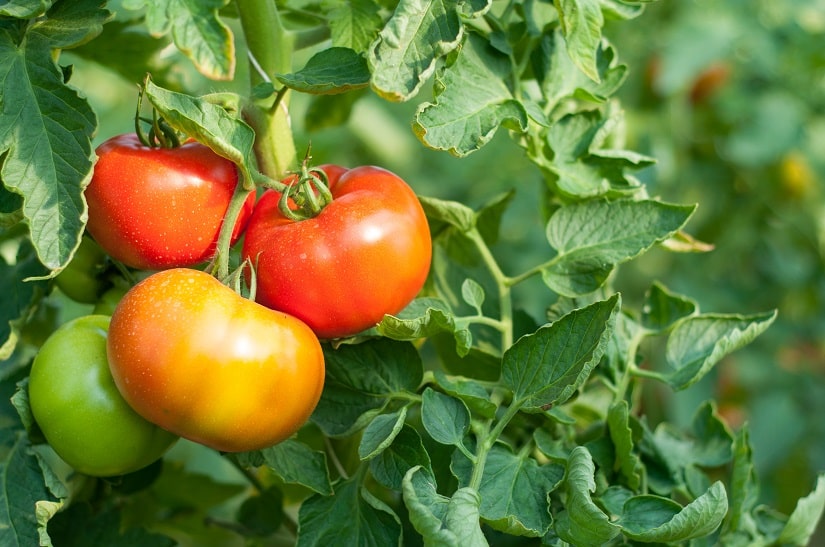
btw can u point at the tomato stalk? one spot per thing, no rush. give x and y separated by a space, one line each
270 46
221 265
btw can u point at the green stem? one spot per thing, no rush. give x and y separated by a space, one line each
504 295
271 46
486 444
249 475
225 236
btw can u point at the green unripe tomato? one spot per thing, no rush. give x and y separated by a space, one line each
79 409
81 280
109 300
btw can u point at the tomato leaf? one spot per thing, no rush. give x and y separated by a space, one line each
451 522
79 526
559 78
197 31
415 37
47 163
294 462
405 452
422 318
359 381
446 418
651 518
592 237
355 23
21 295
25 9
514 490
744 485
802 522
663 308
26 501
471 392
547 367
332 70
208 123
578 167
697 343
472 100
452 213
380 433
581 22
352 516
582 522
619 9
626 461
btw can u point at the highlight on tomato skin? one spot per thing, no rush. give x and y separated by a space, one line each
365 255
194 357
159 208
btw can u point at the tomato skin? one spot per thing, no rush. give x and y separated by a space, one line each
194 357
75 402
159 208
365 255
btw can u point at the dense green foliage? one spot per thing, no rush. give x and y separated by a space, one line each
620 339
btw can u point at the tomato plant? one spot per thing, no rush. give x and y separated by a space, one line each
190 184
199 360
514 367
366 254
80 410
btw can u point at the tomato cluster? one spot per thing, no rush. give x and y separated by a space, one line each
185 355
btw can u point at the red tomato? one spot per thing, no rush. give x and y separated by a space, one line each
365 255
192 356
158 208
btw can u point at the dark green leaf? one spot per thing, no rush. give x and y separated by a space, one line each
581 22
697 343
405 452
78 526
445 418
514 490
197 31
582 523
744 483
415 37
262 514
69 24
488 219
45 145
360 379
380 433
662 308
20 295
332 70
472 393
442 521
594 236
472 101
547 367
654 519
627 462
296 463
352 516
330 110
26 503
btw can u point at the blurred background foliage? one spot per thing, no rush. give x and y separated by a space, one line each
729 97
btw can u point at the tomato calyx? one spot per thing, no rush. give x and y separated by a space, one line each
308 189
161 134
